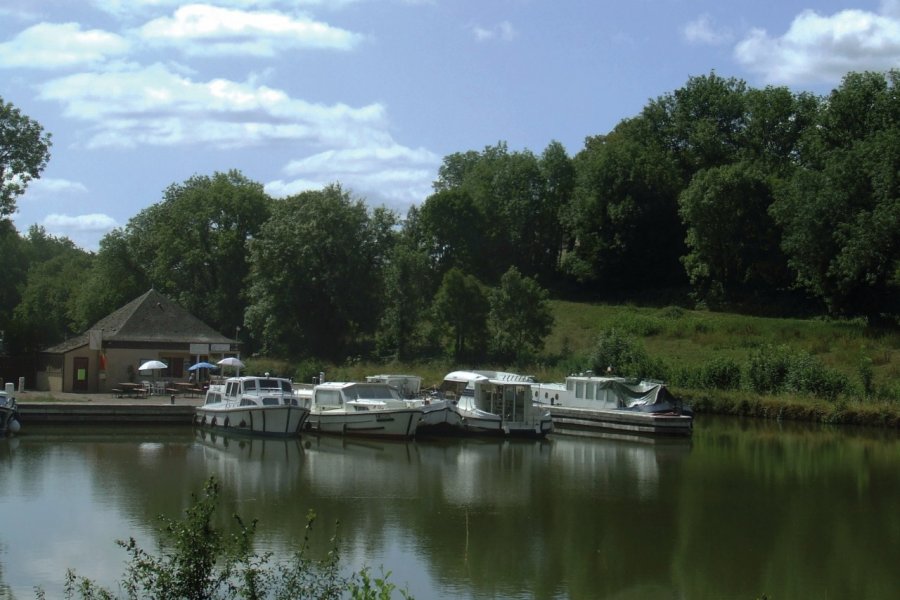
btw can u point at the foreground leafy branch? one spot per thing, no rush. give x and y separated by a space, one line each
201 562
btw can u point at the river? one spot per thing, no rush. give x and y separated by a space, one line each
742 509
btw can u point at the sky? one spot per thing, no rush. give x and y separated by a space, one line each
142 94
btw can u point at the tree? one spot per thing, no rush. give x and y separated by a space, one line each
192 244
408 291
519 317
733 243
46 313
316 280
623 223
24 152
116 277
460 307
840 212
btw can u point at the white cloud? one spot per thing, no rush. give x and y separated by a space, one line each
703 30
126 7
822 49
47 187
54 46
504 31
393 175
209 30
157 106
57 223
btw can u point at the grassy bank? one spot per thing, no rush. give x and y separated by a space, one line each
861 364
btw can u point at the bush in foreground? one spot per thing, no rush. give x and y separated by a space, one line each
202 563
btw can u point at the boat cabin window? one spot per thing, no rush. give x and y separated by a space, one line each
371 392
579 389
231 389
275 384
271 401
328 397
213 397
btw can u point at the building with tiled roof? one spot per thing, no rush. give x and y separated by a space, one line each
151 327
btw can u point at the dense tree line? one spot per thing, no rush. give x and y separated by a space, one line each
733 193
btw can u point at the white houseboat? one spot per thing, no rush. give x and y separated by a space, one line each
587 402
494 402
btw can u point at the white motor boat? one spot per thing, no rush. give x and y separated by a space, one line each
497 403
437 415
254 405
362 408
9 415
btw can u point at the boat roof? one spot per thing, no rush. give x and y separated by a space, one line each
498 376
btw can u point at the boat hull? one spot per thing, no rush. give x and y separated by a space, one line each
390 423
9 422
276 421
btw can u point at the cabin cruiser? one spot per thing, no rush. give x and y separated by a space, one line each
436 413
368 408
254 405
9 415
494 402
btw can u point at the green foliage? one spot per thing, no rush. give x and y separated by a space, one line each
732 240
519 318
460 311
496 209
192 245
46 312
841 211
201 562
407 290
721 373
618 354
780 369
623 218
317 277
24 152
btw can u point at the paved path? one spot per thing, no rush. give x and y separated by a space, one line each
103 399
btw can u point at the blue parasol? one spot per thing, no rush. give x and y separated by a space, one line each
202 365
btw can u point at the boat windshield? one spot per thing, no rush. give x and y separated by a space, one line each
371 392
275 384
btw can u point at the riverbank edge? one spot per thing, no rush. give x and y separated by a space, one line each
778 408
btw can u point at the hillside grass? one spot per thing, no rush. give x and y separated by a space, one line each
685 341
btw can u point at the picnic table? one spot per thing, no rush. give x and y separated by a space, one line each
130 389
185 388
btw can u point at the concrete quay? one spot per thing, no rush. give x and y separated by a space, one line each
50 407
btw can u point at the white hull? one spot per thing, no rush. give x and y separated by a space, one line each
8 422
395 423
258 420
480 422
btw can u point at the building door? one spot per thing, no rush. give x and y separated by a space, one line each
80 374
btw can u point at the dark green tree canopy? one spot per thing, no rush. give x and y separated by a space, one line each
316 283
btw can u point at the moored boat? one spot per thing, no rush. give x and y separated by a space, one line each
254 405
9 414
362 408
437 415
495 403
587 402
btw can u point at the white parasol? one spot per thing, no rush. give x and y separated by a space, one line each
231 361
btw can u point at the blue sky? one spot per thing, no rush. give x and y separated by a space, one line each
141 94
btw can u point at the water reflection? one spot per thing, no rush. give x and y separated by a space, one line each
740 510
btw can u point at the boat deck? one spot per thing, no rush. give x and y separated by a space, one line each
573 420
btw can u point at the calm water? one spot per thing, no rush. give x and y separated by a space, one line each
740 510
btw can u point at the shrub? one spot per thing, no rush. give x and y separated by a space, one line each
720 373
624 356
778 369
767 369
